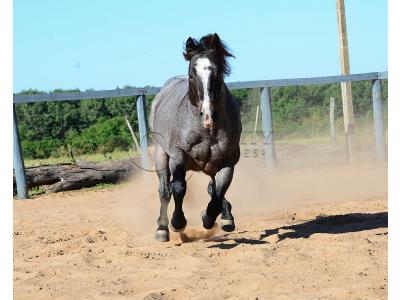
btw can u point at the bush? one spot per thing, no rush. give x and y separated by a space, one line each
40 149
105 136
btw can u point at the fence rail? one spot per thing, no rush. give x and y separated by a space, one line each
265 104
73 96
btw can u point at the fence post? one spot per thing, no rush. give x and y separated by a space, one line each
378 120
332 120
347 98
18 161
255 125
142 120
266 111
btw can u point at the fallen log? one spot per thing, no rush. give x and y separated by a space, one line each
67 177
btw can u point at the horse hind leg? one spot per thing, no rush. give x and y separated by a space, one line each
164 190
227 219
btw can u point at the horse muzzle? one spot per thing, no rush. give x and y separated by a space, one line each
208 115
208 121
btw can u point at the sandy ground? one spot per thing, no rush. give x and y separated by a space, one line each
310 233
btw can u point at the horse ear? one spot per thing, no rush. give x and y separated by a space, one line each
192 47
215 41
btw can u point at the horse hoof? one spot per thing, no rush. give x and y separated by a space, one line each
176 229
178 224
208 223
227 225
162 235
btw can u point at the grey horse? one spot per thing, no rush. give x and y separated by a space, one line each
196 126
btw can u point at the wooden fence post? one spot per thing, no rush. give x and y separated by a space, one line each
332 120
18 161
378 120
269 138
347 98
255 125
142 120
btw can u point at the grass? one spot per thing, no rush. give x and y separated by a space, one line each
36 192
101 186
364 135
94 157
312 140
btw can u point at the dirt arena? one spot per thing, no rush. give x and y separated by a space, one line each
316 232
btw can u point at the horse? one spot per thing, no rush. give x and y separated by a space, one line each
197 127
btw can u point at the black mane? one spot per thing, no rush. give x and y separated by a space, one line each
212 44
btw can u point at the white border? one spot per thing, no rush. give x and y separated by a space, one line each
6 90
394 148
6 202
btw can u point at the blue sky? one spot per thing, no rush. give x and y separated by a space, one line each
105 44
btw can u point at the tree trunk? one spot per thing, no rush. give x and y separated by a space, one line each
66 177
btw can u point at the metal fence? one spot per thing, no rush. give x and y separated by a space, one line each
265 105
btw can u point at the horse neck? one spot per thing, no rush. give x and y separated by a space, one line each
223 101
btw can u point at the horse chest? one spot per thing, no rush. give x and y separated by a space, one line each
207 155
205 151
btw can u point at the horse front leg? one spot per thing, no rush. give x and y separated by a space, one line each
218 187
178 187
227 219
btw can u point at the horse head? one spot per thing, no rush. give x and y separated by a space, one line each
207 67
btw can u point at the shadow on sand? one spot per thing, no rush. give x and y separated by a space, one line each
335 224
237 242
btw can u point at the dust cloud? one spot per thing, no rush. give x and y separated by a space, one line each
255 191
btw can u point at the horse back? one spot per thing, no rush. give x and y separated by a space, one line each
165 107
